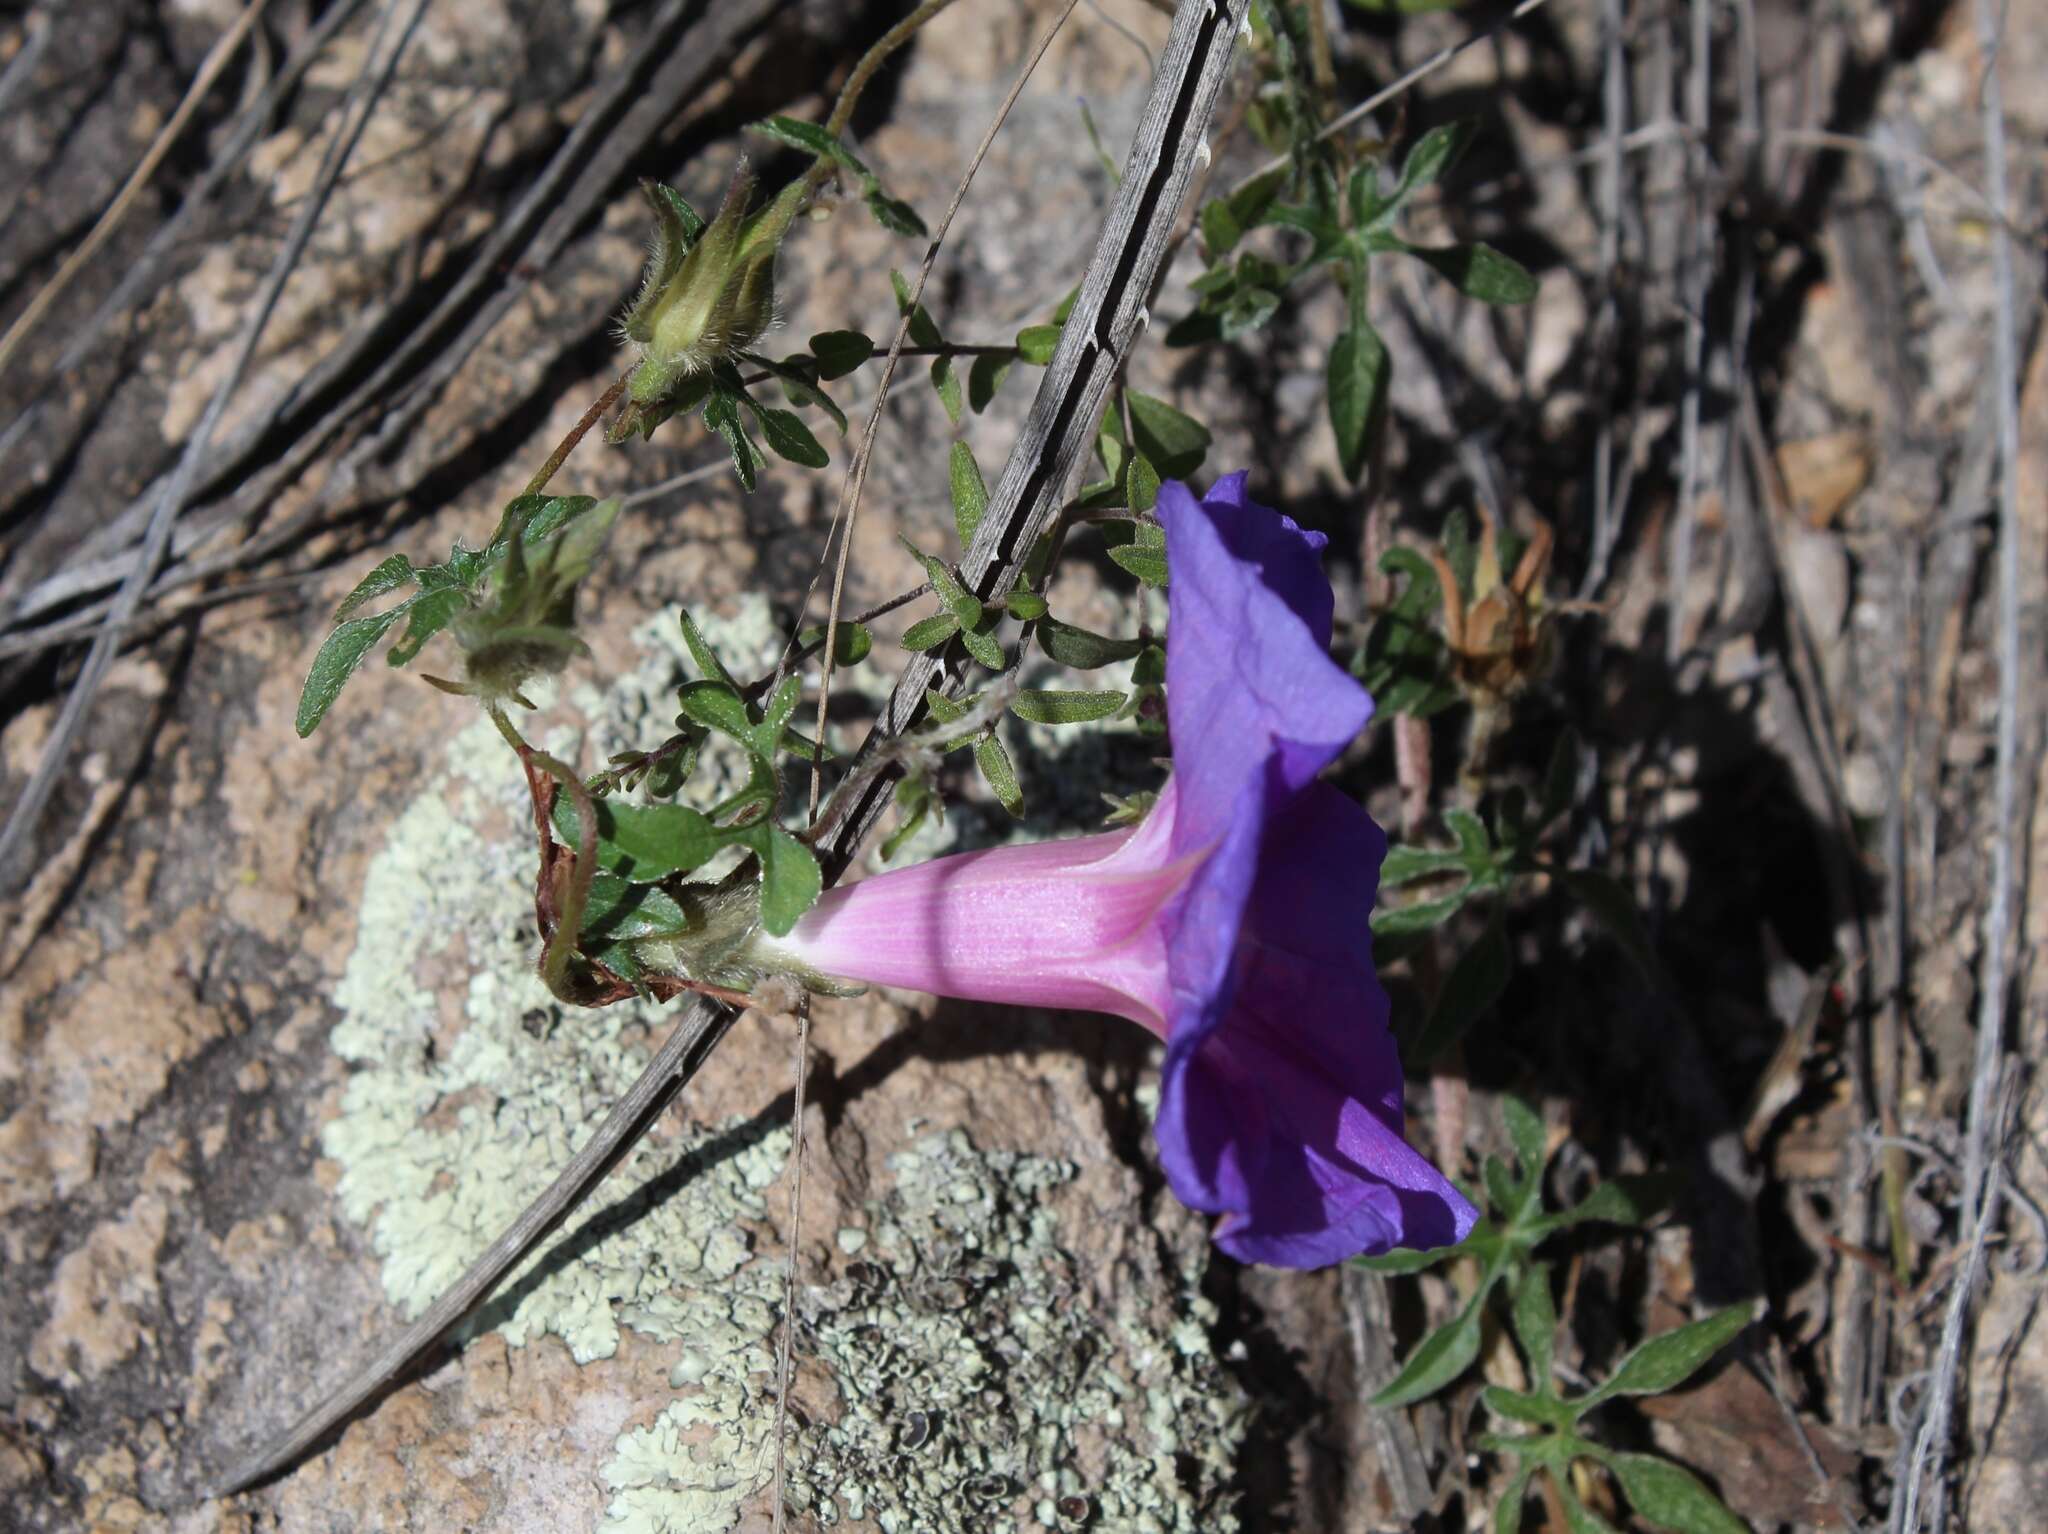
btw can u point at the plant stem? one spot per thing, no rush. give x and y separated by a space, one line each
567 445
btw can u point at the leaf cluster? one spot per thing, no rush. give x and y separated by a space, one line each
1503 1246
1348 222
510 604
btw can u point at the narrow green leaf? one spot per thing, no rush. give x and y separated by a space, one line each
1473 985
1507 1196
340 653
1672 1497
1404 864
775 716
1473 842
1081 649
722 415
1175 442
790 880
1027 605
946 380
851 643
1357 385
1434 154
1535 1318
425 616
1390 921
930 633
970 492
999 774
1404 1260
716 706
1141 483
790 438
985 375
1440 1358
1526 1133
1507 1513
1667 1361
1037 343
701 652
1624 1200
961 602
1479 271
894 214
913 803
387 577
981 643
1045 707
1520 1406
809 137
840 352
923 330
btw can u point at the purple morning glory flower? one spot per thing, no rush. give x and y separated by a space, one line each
1233 922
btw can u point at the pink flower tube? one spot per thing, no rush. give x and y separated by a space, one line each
1233 923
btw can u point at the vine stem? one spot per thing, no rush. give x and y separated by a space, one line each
554 964
567 445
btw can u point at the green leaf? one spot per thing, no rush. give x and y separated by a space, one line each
893 213
1672 1497
790 880
923 331
1507 1513
1508 1197
1037 343
981 643
1535 1318
1440 1358
1247 310
1473 985
970 492
1665 1362
1624 1200
1081 649
701 652
387 577
840 352
1405 864
1220 229
643 843
1176 443
1141 482
1526 1133
1148 565
810 137
797 378
1616 911
961 602
985 375
1044 707
1027 605
722 415
1357 384
1474 845
619 911
790 438
717 706
913 803
1479 271
946 380
340 653
1390 921
1405 1260
930 633
1433 155
999 774
775 716
425 616
852 643
1521 1406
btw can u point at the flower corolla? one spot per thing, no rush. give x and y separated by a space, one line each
1233 922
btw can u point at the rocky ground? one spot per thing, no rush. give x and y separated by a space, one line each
273 1060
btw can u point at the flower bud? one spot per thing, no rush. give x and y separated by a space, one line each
710 296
